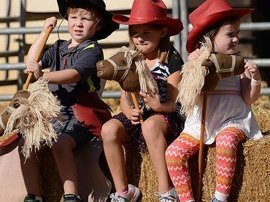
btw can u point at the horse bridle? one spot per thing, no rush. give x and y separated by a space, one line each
125 68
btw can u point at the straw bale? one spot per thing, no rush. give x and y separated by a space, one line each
250 184
252 176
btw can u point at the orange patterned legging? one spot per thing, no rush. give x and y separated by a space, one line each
184 146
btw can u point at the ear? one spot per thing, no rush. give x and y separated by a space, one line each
164 31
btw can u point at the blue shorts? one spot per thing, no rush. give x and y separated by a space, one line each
76 130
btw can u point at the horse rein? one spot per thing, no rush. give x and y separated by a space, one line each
125 68
219 71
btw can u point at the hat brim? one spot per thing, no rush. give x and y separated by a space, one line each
174 25
197 32
108 27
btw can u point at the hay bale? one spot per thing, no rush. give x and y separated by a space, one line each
252 176
250 184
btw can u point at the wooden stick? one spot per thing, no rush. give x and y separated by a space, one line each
200 158
136 104
37 55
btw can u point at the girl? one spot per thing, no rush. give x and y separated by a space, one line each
149 31
229 119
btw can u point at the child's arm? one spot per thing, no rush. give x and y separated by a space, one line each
169 106
250 83
49 22
31 64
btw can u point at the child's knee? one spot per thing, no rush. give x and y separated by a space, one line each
110 131
154 127
174 152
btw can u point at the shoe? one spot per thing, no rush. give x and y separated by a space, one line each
33 198
71 198
170 196
133 195
215 200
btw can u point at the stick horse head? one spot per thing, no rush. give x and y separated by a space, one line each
203 74
128 68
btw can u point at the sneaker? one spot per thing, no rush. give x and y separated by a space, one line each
71 198
33 198
170 196
133 195
215 200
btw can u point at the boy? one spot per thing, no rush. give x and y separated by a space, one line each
72 78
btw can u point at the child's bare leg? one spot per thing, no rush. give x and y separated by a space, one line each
154 130
66 163
30 171
113 134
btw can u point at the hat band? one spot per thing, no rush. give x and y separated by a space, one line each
141 19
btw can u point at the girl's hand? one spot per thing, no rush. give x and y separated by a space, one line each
33 66
152 100
194 55
135 116
49 22
253 70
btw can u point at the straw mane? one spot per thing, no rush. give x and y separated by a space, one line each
133 76
33 118
193 79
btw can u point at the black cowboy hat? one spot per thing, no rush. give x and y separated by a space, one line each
108 25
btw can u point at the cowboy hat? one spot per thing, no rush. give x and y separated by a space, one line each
150 12
99 5
206 15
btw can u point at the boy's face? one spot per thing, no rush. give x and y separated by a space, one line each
82 24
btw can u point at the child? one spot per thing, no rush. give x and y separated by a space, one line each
72 78
149 30
229 119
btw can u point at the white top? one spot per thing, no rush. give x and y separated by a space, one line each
223 110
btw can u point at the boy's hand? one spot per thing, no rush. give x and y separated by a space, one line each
49 22
253 70
33 66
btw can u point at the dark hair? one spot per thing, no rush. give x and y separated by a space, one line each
213 30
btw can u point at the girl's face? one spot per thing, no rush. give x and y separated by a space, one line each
82 24
146 38
227 38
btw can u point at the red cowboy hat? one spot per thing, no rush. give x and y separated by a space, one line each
206 15
150 12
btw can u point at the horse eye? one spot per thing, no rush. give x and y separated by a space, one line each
123 62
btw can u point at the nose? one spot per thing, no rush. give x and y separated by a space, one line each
78 23
140 39
235 39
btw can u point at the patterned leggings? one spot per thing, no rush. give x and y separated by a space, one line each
184 146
